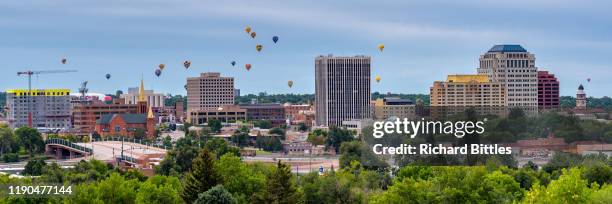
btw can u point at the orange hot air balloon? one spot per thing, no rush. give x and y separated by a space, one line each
162 66
247 29
258 47
290 83
381 47
247 66
253 34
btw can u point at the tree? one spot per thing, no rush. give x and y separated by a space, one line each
8 141
241 137
302 127
167 141
569 188
159 190
280 187
238 178
201 177
337 136
278 131
216 195
34 167
215 125
31 140
140 133
263 124
220 147
118 93
113 189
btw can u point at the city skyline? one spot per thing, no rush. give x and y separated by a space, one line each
129 40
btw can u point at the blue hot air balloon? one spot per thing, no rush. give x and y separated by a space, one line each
233 63
275 39
108 76
158 72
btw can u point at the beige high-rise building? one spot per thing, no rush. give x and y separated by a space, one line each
467 90
513 66
342 89
209 91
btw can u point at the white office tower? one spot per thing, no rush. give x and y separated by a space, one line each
514 66
342 86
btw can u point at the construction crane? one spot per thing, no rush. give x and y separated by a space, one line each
30 73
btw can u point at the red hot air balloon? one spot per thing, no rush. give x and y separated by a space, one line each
247 66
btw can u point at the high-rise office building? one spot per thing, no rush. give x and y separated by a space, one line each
548 91
342 86
50 108
515 67
209 91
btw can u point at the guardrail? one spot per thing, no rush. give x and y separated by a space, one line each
68 144
126 158
132 140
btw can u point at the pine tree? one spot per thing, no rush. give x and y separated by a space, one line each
280 187
201 177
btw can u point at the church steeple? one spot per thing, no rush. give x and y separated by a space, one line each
141 92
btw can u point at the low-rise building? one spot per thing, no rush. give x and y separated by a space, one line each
385 108
274 112
126 125
227 114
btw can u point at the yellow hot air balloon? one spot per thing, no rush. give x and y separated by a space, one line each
253 34
247 29
290 83
381 47
258 47
162 66
377 78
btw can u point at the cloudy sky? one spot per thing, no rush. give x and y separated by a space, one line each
425 41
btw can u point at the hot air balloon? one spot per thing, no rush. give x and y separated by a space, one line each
64 60
247 29
275 39
588 79
185 86
381 47
258 47
247 66
108 76
290 83
253 34
187 63
233 63
158 72
377 78
162 66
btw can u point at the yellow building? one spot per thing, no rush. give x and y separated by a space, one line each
460 91
393 107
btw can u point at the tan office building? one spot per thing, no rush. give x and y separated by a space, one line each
209 91
461 92
393 107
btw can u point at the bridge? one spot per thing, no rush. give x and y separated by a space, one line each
128 152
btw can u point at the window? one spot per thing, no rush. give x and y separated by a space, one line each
117 128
